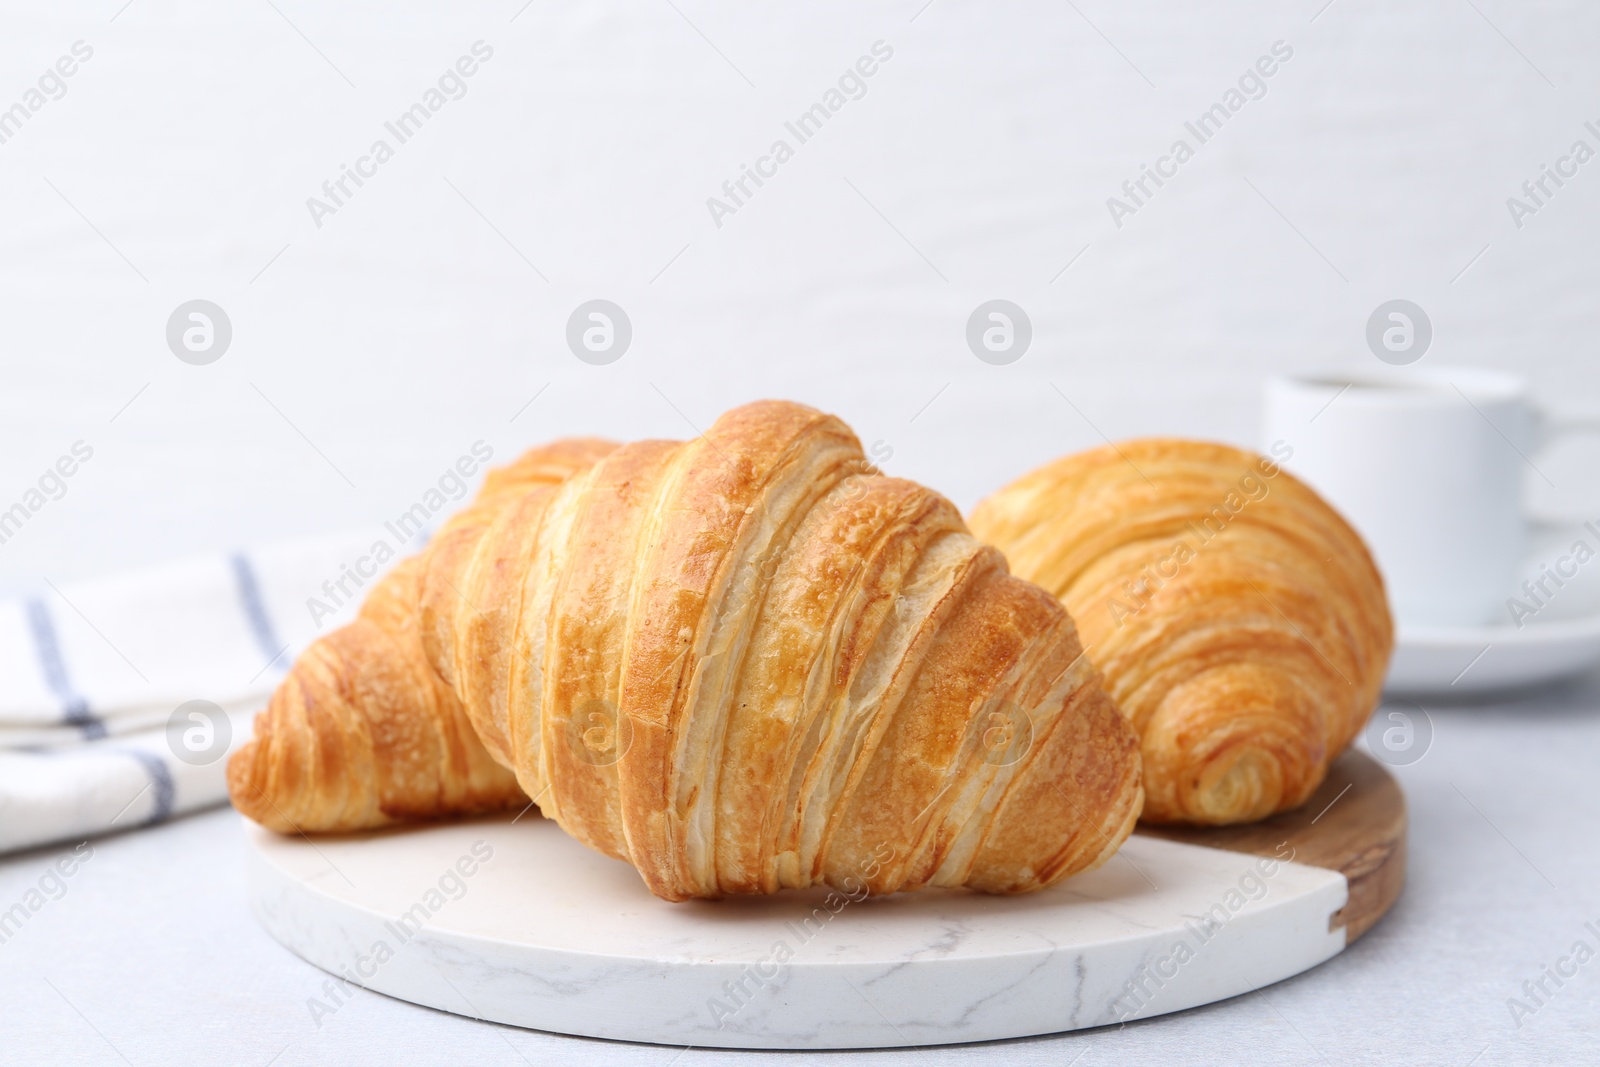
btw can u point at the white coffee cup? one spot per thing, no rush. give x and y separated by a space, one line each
1428 465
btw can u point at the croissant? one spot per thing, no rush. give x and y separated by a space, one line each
1240 623
749 662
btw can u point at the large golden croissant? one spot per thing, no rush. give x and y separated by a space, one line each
741 663
1240 622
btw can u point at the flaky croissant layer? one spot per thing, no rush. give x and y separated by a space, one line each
741 663
1240 622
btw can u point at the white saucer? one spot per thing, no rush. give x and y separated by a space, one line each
1470 659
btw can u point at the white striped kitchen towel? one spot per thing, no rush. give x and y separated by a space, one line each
91 673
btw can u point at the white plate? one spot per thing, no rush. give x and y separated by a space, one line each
544 933
1467 659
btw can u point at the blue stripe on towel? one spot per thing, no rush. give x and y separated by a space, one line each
161 785
255 610
54 668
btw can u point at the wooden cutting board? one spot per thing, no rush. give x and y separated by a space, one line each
1355 824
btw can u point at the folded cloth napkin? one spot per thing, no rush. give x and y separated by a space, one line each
97 732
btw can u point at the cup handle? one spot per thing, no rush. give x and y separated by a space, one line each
1547 430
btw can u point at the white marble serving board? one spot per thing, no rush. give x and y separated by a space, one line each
544 933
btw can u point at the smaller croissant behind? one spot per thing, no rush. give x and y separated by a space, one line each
1240 623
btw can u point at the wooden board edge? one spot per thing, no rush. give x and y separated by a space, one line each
1355 823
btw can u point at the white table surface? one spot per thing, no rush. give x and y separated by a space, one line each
152 956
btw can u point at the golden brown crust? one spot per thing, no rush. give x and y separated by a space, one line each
363 732
745 662
1240 622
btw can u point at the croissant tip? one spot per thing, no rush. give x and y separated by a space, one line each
244 793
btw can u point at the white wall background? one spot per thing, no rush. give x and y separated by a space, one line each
405 328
